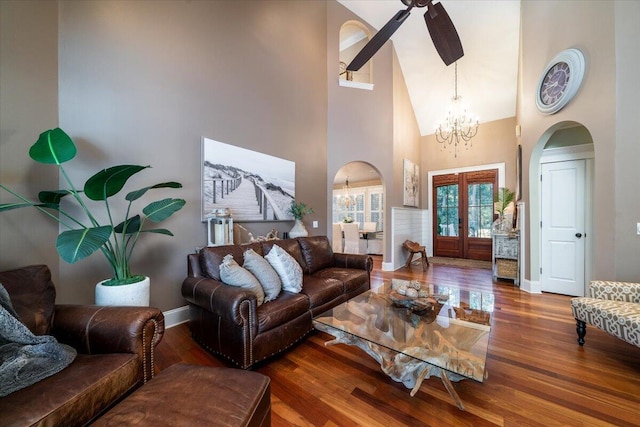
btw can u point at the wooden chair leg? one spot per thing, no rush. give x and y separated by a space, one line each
409 259
581 329
425 261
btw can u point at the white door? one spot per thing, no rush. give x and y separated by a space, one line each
563 227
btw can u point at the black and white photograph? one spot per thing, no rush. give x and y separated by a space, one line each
253 186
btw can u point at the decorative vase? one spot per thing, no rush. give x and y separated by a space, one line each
134 294
298 230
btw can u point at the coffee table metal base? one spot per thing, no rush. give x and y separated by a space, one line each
399 367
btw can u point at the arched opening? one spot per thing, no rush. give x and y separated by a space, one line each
358 197
353 37
561 173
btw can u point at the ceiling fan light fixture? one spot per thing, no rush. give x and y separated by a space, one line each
442 31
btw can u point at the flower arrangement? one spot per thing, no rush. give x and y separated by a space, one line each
347 219
115 241
299 210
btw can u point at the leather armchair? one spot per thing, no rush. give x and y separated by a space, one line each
115 353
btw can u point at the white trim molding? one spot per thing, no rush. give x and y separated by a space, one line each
356 85
176 316
530 286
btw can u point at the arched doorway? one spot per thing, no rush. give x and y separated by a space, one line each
358 197
561 177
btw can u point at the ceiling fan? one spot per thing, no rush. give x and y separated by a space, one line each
443 34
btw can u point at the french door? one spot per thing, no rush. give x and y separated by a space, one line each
463 214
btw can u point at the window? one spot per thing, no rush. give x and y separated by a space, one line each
366 204
480 211
376 208
447 210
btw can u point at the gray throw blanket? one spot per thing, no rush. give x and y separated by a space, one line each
26 358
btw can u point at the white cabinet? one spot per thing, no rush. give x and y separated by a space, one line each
506 257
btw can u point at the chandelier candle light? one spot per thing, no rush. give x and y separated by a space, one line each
458 125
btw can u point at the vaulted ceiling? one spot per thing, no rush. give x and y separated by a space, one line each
487 73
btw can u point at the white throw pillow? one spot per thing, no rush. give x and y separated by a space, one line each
232 274
266 275
287 268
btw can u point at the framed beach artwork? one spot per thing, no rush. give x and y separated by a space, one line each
411 184
252 186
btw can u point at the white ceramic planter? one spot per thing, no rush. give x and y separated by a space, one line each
134 294
298 230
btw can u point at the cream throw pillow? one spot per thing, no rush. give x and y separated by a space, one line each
266 275
287 268
232 274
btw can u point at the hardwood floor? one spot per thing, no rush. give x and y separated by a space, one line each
538 374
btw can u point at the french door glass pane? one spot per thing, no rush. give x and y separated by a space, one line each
447 210
480 209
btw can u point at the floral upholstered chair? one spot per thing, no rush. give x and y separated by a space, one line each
613 307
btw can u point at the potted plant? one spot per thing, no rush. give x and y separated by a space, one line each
83 237
505 198
298 211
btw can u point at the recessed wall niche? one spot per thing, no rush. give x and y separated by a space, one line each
353 37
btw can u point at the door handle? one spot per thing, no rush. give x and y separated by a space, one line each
578 235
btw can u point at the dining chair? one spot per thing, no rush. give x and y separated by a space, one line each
336 237
351 238
370 227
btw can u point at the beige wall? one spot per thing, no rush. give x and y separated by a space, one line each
589 26
142 82
28 106
627 172
377 127
495 142
360 121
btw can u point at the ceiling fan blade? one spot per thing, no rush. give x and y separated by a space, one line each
443 34
378 40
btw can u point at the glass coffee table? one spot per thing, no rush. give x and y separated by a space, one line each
442 331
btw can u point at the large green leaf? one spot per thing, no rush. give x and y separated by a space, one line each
162 209
134 195
133 225
109 181
16 205
53 146
74 245
158 231
52 196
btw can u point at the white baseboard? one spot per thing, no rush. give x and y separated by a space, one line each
531 286
387 266
176 316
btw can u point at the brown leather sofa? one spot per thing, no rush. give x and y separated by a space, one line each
115 353
227 321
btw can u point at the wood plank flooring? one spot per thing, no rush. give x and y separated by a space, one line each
538 375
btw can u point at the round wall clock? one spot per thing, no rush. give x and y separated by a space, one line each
560 81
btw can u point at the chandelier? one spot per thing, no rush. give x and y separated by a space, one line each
458 126
347 201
